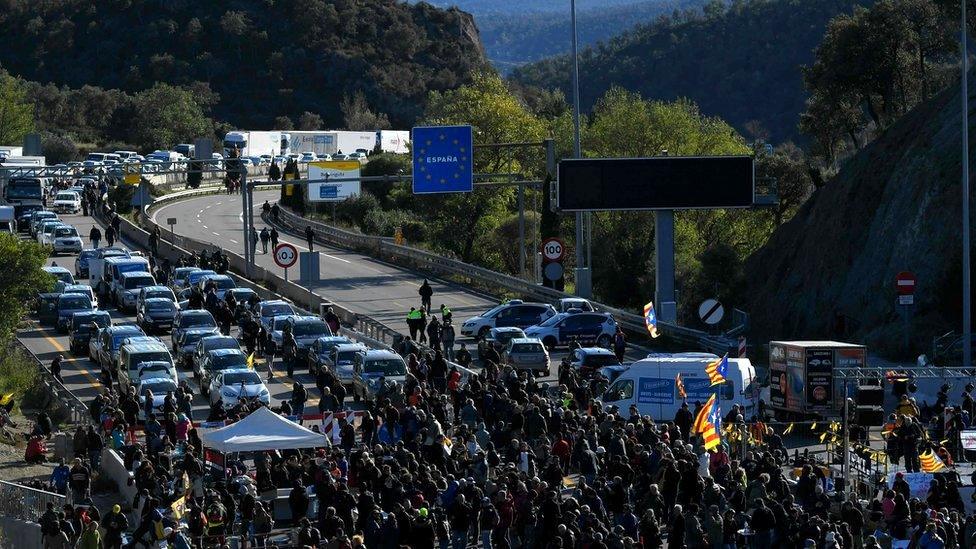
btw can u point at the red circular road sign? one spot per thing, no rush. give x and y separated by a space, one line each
285 255
553 249
905 283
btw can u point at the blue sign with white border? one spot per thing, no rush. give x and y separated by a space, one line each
442 159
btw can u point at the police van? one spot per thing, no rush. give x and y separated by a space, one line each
651 385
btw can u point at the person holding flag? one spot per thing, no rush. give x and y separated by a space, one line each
930 463
708 423
717 370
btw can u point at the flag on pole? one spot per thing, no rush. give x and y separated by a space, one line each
788 430
681 386
250 361
930 462
704 415
718 369
893 376
710 435
650 319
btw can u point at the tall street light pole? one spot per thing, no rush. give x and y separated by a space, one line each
966 290
581 289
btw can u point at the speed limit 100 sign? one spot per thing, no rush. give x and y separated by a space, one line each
285 255
553 249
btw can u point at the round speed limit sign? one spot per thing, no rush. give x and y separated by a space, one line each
285 255
553 249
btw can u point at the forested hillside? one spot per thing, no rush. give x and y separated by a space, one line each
513 41
740 62
263 58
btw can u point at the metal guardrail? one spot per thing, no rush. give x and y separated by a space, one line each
386 249
364 328
77 411
26 503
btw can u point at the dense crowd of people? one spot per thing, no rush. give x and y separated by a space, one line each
496 459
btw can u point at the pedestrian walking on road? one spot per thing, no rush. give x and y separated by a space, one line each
309 236
56 367
110 235
254 241
619 344
95 236
425 292
154 241
265 237
274 238
447 339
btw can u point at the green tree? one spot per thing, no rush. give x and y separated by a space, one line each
164 115
16 112
464 222
625 125
20 280
358 116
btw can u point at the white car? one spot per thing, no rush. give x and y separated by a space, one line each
229 386
307 157
361 157
159 387
46 232
65 239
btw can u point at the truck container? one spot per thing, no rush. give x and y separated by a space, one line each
394 141
256 143
801 376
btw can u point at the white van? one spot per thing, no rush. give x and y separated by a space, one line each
650 385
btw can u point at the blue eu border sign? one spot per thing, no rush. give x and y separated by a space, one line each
442 160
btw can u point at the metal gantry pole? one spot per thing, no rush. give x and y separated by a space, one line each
966 290
247 232
846 467
521 228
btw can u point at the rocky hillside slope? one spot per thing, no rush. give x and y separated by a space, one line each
895 206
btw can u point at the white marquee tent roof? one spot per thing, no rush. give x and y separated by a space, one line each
262 430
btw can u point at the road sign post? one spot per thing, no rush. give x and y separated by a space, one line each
442 159
171 221
905 283
285 255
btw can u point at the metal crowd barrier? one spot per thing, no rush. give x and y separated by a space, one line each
25 503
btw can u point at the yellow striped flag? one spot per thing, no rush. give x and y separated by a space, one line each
710 434
718 369
702 419
650 319
250 361
930 462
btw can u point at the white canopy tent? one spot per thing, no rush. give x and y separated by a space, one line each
262 430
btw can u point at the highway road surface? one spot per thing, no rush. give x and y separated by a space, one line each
352 280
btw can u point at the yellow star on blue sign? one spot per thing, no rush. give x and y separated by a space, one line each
442 163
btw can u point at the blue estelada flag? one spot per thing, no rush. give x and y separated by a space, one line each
650 319
718 369
712 435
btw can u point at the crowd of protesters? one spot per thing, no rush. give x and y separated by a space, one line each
496 458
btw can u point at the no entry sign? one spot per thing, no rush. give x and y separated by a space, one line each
905 283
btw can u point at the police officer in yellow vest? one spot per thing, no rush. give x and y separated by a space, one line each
415 321
445 313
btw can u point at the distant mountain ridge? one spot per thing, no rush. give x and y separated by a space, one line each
302 55
741 63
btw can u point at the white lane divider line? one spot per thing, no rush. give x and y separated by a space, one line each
300 247
216 233
206 227
234 241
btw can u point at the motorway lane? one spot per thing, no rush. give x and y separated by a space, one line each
81 375
352 280
357 282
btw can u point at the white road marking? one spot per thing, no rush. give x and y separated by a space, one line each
206 227
216 233
234 241
299 246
